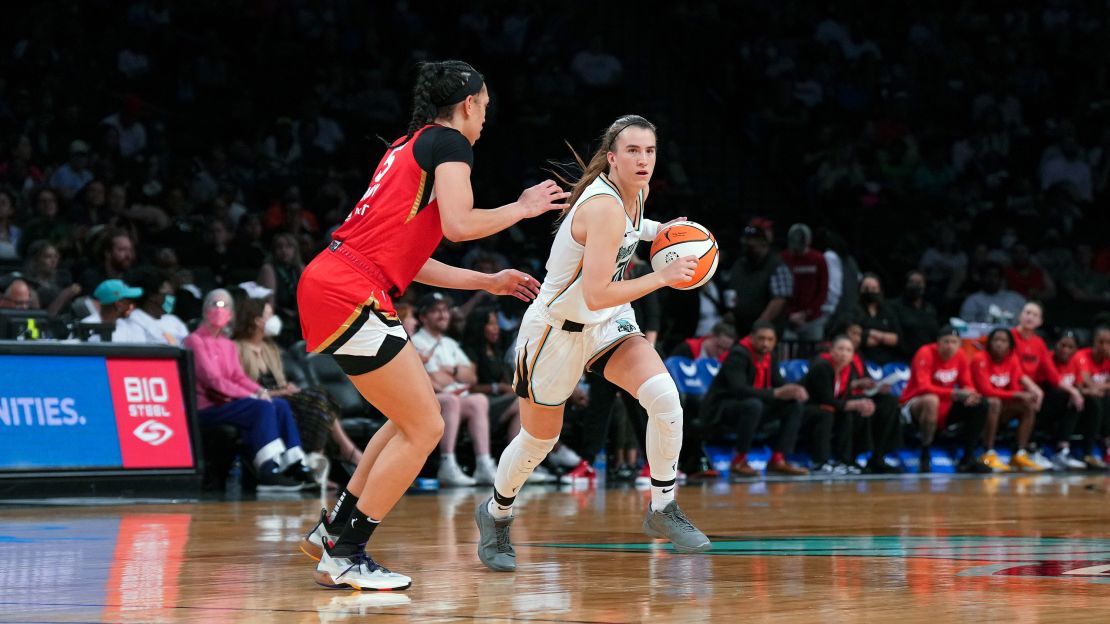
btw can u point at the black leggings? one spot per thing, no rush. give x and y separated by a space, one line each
744 416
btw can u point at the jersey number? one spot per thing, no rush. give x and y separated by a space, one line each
364 203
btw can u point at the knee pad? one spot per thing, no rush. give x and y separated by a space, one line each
534 448
659 397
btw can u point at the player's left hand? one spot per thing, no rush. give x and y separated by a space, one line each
515 283
672 222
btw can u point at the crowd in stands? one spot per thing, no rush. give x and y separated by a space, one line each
888 186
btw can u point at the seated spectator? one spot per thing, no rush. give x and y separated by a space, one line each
71 177
482 344
48 224
9 231
153 312
114 302
281 275
1026 278
54 286
804 314
881 331
940 390
1010 393
945 265
1094 366
453 375
883 432
19 296
748 388
716 345
114 252
916 316
1082 282
316 412
1086 417
225 395
1007 304
759 283
832 409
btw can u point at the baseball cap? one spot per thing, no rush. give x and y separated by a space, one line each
429 301
111 291
759 227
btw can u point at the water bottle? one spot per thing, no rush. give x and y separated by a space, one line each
235 478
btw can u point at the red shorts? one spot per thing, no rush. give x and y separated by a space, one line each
344 311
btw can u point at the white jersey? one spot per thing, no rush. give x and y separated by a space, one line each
561 293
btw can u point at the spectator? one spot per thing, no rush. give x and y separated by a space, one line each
225 395
940 390
114 302
1026 278
881 331
9 231
47 224
716 345
993 303
1083 283
1066 167
804 313
916 316
153 313
19 296
453 375
482 345
1010 393
882 432
945 266
595 67
54 286
317 414
748 388
281 275
1094 366
247 251
844 275
71 177
115 254
1066 362
131 131
760 283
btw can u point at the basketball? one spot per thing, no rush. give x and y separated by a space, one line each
686 238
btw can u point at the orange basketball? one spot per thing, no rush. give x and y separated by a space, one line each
686 238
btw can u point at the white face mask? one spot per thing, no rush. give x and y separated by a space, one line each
273 326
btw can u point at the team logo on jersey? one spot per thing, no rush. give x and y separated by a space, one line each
1000 381
625 326
947 375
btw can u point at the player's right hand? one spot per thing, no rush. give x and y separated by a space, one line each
679 271
541 198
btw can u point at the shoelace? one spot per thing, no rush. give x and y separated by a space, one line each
503 544
682 521
363 559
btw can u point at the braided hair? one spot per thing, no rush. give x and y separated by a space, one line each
439 86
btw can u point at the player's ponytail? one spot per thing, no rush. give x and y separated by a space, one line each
439 87
599 162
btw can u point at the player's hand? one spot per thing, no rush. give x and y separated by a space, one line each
515 283
679 271
541 198
672 222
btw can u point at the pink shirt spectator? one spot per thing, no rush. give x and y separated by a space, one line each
220 376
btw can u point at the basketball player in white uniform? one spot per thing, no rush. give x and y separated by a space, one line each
582 320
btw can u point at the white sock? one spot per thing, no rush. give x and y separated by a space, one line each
520 458
659 397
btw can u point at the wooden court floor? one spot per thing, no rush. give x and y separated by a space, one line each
1018 549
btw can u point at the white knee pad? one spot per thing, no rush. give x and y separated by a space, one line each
659 396
533 448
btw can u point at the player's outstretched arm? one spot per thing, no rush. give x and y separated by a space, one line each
506 282
461 221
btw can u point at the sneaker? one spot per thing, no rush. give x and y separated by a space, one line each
582 473
925 462
702 470
275 481
739 468
826 469
1094 462
1022 461
878 466
784 467
671 524
850 469
1063 461
994 462
1039 458
451 475
564 457
357 571
495 549
300 472
974 466
542 475
625 473
312 544
485 471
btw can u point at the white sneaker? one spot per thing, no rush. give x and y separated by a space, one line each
486 470
542 475
1042 461
451 475
564 457
358 571
1063 461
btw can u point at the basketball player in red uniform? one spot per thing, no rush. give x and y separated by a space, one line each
419 193
1010 393
1094 365
1072 368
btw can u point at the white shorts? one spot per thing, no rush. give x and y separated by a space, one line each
550 360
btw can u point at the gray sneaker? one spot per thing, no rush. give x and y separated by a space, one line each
494 548
672 524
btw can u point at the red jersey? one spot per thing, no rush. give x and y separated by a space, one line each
1099 371
1035 359
931 375
395 227
811 282
1070 371
996 379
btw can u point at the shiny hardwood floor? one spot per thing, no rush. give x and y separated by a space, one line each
1002 549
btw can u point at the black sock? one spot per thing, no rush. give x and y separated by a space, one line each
341 513
355 534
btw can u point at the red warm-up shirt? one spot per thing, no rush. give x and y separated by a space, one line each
929 374
811 282
996 379
1035 358
1071 372
1099 371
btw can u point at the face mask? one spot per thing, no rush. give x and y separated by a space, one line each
914 291
218 317
869 297
167 304
273 326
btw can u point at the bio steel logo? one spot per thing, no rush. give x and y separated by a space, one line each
153 432
147 397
